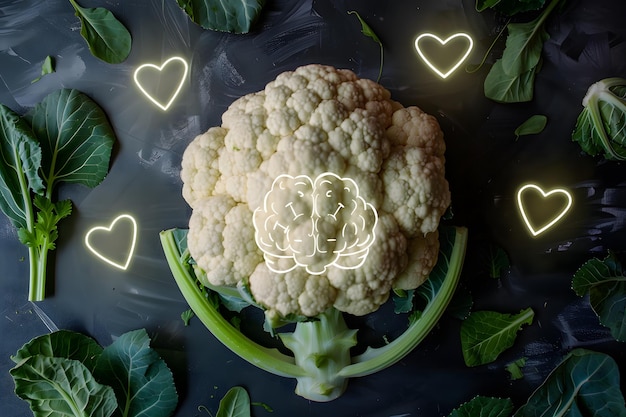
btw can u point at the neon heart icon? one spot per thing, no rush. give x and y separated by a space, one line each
557 216
420 52
147 68
123 218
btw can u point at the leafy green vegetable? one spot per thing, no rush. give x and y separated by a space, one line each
486 334
511 79
605 283
70 141
62 387
515 368
533 125
107 38
324 366
62 344
403 301
481 406
67 373
236 403
496 261
585 384
46 68
369 32
509 7
140 378
235 16
186 316
601 126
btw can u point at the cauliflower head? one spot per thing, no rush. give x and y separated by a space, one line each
319 191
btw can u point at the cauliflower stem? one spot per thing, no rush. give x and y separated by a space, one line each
322 361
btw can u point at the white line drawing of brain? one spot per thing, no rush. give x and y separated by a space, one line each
314 224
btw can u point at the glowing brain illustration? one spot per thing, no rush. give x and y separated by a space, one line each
314 224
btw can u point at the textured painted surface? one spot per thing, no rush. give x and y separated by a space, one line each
485 166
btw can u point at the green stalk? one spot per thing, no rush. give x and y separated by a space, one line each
35 292
377 359
321 348
270 360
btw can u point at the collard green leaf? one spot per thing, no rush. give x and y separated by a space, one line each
62 344
486 334
236 403
585 384
605 283
496 261
76 138
143 384
509 7
601 126
533 125
235 16
107 38
523 46
502 87
481 406
19 171
61 387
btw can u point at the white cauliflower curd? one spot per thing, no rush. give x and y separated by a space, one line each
319 191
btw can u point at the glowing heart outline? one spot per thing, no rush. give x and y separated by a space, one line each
559 216
443 43
160 69
108 229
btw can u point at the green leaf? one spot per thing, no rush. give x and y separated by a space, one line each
605 283
236 403
515 368
481 406
61 387
46 68
509 7
403 302
601 126
523 46
107 38
533 125
76 138
143 384
512 77
235 16
496 261
482 5
486 334
186 316
585 384
505 88
63 344
21 159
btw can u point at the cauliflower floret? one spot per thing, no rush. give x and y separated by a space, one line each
422 254
293 292
416 190
200 165
368 164
221 240
364 289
